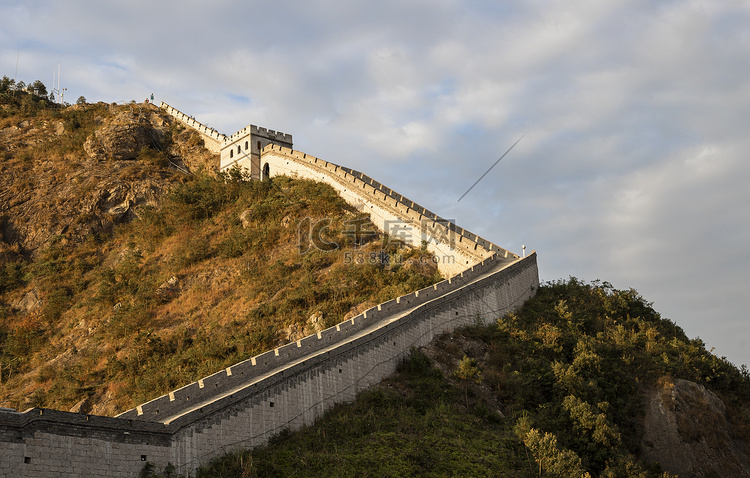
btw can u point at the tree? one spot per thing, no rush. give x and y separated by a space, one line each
37 88
81 100
553 459
7 84
468 372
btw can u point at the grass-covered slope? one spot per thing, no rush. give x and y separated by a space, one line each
212 277
105 310
560 392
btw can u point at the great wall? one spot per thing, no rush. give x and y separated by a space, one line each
293 385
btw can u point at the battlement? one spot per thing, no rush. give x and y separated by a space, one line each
212 138
270 134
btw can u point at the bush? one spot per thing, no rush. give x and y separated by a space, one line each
56 302
11 276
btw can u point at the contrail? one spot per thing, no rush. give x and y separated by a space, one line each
485 174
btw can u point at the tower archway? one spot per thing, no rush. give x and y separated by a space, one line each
266 172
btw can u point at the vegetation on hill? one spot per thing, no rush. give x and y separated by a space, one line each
562 392
122 276
30 98
105 309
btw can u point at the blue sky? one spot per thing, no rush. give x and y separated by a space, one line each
634 165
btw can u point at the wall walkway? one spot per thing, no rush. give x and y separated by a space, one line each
244 405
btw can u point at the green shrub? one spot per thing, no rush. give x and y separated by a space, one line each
153 157
11 276
56 302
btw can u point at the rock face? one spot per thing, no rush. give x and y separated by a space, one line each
87 200
29 302
299 331
687 433
121 142
75 194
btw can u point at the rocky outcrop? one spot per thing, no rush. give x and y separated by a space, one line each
168 290
29 302
122 142
88 191
78 205
687 433
295 332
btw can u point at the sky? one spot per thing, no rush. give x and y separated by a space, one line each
633 115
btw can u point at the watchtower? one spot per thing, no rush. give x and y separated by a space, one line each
243 148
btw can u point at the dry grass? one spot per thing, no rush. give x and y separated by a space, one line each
234 291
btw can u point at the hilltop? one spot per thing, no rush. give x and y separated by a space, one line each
130 267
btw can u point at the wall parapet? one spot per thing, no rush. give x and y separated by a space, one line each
35 419
430 224
213 138
259 131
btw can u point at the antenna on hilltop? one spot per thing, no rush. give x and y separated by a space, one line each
59 92
16 75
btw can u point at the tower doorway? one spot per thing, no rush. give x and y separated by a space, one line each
266 172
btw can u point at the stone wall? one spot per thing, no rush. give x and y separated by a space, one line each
166 407
453 247
246 404
43 443
212 138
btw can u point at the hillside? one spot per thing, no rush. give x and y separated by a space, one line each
584 380
129 268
